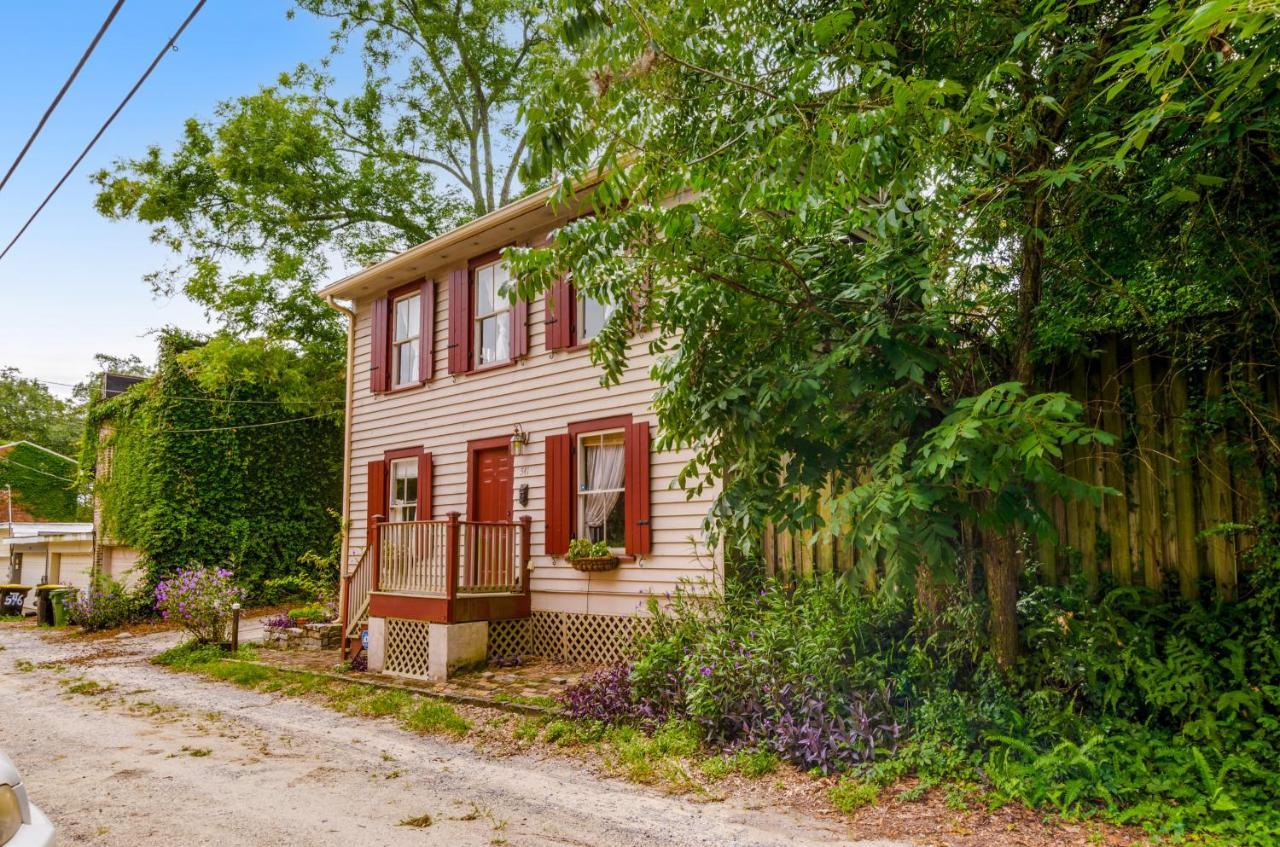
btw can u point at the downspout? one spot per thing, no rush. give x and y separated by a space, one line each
346 434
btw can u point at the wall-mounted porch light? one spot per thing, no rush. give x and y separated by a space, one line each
519 438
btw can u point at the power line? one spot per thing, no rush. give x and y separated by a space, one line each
207 399
246 426
101 130
36 470
66 85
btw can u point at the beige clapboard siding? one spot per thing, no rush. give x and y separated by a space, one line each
543 393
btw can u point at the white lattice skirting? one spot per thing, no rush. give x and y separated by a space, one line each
567 637
407 643
563 636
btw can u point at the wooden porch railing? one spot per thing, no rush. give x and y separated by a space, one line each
356 586
418 557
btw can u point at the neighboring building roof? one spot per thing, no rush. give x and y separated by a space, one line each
44 533
477 236
113 384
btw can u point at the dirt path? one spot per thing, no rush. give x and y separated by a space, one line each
168 759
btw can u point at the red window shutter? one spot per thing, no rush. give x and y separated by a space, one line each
424 487
520 329
377 498
378 346
560 316
427 342
559 494
459 321
638 534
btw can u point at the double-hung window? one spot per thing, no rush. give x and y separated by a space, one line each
406 340
491 317
402 501
601 468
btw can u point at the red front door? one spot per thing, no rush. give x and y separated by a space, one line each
492 491
487 547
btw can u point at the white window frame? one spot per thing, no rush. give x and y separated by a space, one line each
580 465
402 511
501 307
397 379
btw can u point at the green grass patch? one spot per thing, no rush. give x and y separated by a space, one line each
88 687
436 718
850 794
753 764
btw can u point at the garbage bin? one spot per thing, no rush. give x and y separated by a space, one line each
62 599
44 604
14 596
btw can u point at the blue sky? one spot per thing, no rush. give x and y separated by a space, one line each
73 286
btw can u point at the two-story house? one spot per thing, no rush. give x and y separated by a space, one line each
480 443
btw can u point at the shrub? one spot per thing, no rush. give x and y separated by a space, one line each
311 613
199 599
279 622
605 696
795 673
106 604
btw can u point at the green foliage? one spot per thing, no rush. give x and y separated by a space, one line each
107 604
585 548
1134 708
258 202
850 794
44 483
30 412
230 456
874 231
311 613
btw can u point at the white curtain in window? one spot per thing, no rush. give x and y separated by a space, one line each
604 470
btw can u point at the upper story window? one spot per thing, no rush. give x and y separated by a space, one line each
601 481
406 340
400 335
592 316
492 318
402 502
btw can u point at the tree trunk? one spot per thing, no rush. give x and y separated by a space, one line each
1000 563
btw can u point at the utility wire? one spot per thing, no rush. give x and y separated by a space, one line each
36 470
66 85
101 130
207 399
245 426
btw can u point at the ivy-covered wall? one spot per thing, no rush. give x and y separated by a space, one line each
219 459
43 483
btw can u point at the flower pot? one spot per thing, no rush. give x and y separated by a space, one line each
594 564
301 622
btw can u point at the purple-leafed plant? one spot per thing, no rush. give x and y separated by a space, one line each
360 662
608 696
279 622
199 599
808 729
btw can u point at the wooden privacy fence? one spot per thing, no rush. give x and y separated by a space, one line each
1193 462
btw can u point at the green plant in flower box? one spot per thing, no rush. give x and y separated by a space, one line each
585 548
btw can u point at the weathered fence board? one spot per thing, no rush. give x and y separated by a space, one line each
1189 491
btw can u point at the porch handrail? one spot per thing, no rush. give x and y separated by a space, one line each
356 586
483 557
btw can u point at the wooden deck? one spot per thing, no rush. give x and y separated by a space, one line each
450 571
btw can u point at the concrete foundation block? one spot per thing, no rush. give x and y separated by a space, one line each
377 644
453 647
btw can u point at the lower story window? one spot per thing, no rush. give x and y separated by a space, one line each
403 500
601 482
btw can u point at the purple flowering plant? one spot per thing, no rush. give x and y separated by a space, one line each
199 599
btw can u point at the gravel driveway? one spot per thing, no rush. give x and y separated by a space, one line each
172 759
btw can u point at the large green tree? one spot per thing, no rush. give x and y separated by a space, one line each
30 412
282 186
871 225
